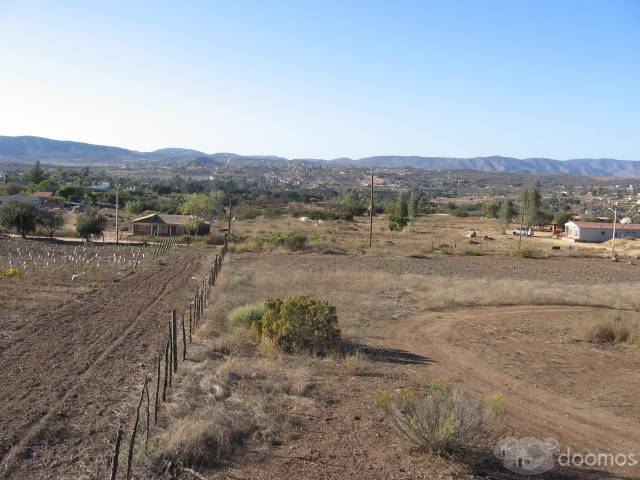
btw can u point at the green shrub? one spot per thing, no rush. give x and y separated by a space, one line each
299 323
296 241
246 315
273 239
496 402
440 420
9 272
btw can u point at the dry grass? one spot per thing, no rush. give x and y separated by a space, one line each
614 328
356 363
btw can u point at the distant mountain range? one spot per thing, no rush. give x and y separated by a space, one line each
27 149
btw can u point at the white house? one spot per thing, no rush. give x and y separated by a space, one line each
596 232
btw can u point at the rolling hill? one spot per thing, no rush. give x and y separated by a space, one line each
28 149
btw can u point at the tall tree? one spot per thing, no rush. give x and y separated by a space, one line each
531 202
507 212
203 205
23 216
412 206
36 174
491 209
401 208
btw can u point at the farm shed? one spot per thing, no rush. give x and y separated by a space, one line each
160 224
47 200
596 232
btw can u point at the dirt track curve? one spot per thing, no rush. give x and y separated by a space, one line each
468 346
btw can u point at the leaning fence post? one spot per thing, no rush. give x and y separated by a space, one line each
184 338
166 370
174 339
155 407
132 442
116 452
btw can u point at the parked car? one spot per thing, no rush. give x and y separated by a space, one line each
524 232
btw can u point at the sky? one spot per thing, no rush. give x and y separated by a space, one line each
327 79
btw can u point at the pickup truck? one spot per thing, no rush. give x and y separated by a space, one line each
524 232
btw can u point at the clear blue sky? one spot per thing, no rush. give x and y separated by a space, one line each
556 78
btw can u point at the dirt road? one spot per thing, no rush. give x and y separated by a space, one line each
584 396
67 371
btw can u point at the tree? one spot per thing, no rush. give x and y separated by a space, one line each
91 223
401 208
195 226
51 220
23 216
134 206
203 205
507 212
412 207
36 174
531 201
491 209
71 192
46 186
560 218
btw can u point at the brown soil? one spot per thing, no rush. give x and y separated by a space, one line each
71 360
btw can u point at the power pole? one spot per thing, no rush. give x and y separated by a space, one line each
117 198
371 213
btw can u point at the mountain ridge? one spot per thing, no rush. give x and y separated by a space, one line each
31 148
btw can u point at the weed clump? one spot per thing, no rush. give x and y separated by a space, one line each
299 323
246 315
9 272
440 420
615 329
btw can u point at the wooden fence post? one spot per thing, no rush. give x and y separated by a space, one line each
190 320
116 452
184 339
174 339
166 370
155 407
132 442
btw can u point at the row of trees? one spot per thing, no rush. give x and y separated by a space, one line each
530 212
25 217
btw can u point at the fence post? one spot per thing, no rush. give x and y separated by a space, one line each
190 320
174 339
116 452
155 407
166 370
184 339
132 442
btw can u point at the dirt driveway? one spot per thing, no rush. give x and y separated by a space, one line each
585 396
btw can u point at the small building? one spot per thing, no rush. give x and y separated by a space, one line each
47 200
21 197
160 224
597 232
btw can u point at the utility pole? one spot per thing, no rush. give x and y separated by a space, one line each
613 241
371 213
229 228
117 198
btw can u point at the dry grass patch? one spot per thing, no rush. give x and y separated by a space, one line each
615 328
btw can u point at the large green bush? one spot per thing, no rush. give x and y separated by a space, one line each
296 241
299 323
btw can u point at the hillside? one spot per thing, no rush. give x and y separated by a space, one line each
28 149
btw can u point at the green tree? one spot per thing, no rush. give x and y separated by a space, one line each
491 209
91 223
412 206
51 220
195 226
531 201
401 207
134 206
23 216
46 186
507 212
560 218
36 174
203 205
